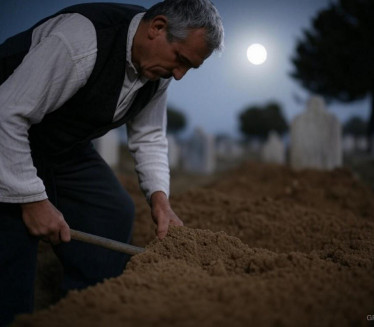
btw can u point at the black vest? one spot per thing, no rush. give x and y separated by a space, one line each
89 113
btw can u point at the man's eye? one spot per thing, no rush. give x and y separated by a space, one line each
183 61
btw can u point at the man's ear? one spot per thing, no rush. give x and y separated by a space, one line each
157 26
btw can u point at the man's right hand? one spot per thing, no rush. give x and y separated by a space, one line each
43 219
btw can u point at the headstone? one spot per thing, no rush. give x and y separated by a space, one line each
254 147
315 138
108 147
199 154
228 148
273 151
173 152
349 143
361 143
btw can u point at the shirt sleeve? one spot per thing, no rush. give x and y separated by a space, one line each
47 77
148 144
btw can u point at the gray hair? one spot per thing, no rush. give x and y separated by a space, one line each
185 15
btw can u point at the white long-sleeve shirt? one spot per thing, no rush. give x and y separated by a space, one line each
60 60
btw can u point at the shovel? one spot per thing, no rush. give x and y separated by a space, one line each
105 242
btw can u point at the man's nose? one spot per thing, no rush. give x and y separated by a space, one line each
179 72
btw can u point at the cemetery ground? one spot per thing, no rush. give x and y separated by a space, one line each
263 245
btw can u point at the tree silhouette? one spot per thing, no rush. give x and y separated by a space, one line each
334 58
176 121
355 126
259 121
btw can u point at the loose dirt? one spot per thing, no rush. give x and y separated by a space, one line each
262 246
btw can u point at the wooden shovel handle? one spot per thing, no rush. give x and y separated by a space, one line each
105 242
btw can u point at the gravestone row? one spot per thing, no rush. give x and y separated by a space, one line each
315 142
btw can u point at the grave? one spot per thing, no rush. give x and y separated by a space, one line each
316 138
228 148
273 151
199 154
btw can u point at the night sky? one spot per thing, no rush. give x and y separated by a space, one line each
213 96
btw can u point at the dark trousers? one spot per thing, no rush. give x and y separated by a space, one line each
92 200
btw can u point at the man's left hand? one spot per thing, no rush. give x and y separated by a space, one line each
162 214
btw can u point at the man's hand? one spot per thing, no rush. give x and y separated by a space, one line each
162 214
43 219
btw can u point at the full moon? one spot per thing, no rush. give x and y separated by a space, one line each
256 54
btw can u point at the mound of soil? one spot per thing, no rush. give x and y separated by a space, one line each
264 246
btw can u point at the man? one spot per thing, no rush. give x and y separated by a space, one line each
69 79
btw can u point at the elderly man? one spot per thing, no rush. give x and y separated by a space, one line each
70 79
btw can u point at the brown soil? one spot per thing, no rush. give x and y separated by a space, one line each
264 246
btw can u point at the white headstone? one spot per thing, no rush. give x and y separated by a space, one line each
349 143
254 145
199 154
108 147
173 152
315 138
361 143
227 147
273 151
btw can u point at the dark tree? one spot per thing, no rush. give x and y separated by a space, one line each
334 57
259 121
176 121
355 126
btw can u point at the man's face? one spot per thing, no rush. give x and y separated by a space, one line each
164 59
